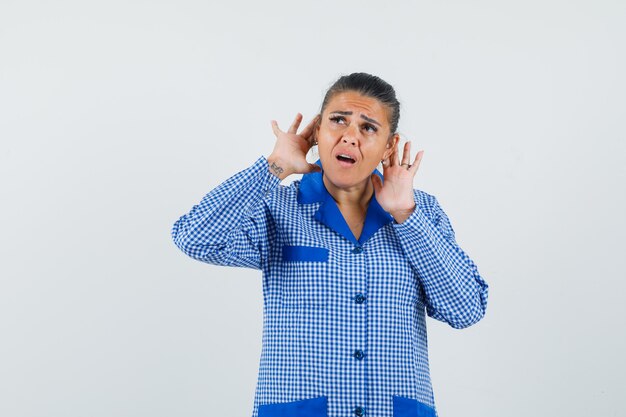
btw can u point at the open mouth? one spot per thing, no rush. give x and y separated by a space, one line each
345 158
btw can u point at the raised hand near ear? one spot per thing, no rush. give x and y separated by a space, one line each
395 194
290 149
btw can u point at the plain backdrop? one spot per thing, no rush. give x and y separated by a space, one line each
116 117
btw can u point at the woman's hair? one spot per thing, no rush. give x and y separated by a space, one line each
370 86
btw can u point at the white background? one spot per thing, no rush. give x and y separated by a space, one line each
117 116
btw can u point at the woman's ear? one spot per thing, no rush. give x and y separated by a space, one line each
391 144
316 128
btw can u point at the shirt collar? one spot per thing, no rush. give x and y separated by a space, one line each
313 190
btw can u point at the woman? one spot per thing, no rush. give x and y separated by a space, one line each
352 261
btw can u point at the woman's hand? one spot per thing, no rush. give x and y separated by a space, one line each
290 149
395 194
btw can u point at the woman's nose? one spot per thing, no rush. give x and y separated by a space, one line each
350 135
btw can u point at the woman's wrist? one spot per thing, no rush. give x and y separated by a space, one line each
277 167
401 215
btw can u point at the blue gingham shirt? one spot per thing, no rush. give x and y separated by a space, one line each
344 319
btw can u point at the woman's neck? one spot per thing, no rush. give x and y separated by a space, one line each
356 196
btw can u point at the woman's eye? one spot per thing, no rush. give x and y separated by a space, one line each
369 128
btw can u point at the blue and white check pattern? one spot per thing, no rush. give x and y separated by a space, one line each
344 326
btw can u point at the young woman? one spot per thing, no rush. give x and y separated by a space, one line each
352 259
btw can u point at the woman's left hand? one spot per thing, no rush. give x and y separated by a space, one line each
395 193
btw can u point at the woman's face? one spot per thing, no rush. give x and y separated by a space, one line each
353 137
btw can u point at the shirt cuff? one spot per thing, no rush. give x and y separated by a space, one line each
268 181
417 220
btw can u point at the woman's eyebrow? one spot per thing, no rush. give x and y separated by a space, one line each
348 113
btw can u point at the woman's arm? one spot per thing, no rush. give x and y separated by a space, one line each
455 292
231 226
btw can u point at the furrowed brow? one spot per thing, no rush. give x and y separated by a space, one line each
348 113
370 120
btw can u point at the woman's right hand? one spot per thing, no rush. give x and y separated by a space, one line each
290 149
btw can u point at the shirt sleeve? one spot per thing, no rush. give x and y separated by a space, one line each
454 290
231 225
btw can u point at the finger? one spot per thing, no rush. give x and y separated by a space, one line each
406 153
306 132
296 122
394 159
275 128
417 161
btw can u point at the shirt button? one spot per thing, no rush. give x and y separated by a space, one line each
358 354
359 411
357 249
359 298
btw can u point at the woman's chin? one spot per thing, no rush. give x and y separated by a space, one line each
344 179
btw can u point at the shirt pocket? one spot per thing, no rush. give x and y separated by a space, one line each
310 407
409 407
305 273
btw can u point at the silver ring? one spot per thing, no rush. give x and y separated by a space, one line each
408 166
